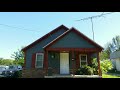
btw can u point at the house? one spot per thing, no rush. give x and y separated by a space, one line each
115 58
61 51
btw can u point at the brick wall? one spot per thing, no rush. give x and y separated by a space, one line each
33 73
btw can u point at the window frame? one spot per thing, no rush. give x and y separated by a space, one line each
39 60
81 60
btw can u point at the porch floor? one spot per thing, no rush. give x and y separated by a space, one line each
73 76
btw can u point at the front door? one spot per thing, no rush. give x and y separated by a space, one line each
64 63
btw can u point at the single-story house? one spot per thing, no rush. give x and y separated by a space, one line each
60 52
115 58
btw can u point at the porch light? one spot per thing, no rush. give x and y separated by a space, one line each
73 59
52 56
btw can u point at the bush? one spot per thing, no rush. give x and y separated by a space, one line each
106 65
85 70
89 70
94 65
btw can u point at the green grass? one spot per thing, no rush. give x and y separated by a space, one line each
109 76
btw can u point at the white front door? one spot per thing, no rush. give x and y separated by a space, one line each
64 63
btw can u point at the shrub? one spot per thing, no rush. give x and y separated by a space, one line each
94 65
106 65
85 70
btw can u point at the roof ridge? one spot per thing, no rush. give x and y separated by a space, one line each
57 38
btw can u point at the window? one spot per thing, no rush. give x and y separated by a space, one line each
39 60
83 59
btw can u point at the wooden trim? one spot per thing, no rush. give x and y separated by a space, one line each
33 60
25 59
74 49
98 59
89 58
86 58
77 61
73 59
42 60
45 36
46 62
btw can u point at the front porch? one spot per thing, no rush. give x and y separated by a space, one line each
65 61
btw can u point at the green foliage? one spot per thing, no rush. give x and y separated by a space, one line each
19 62
6 62
106 65
94 65
18 55
11 62
109 76
89 70
85 70
104 55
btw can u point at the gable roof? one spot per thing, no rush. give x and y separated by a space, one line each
79 33
45 36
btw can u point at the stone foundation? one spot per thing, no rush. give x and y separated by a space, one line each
33 73
53 71
40 73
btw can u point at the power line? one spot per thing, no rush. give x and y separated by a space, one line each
101 15
18 27
93 17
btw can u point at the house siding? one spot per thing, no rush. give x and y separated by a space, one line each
39 47
72 40
115 54
118 64
115 59
113 63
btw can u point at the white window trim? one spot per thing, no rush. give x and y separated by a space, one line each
80 58
36 60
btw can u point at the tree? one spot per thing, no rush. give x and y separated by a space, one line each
112 46
106 65
18 55
6 62
105 54
115 44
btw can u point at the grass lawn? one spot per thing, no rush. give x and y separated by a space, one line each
109 76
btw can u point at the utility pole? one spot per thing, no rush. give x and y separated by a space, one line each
93 17
92 28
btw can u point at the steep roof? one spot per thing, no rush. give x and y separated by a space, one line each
77 32
45 36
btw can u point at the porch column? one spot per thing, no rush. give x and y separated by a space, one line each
73 59
46 62
98 59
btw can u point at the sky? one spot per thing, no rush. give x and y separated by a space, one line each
19 29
